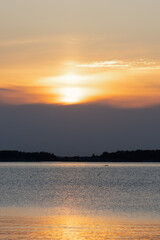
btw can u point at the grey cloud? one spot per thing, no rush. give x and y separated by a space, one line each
78 129
7 90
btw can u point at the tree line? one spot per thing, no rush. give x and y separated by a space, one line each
119 156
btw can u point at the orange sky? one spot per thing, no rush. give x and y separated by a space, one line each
53 52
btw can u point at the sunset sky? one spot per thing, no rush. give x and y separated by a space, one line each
69 54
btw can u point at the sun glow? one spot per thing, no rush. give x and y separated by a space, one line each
70 79
71 95
69 88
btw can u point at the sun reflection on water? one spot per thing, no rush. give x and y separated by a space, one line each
75 227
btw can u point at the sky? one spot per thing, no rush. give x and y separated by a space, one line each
62 62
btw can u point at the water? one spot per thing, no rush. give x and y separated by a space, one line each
79 201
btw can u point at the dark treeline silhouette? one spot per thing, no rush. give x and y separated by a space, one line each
119 156
133 156
16 156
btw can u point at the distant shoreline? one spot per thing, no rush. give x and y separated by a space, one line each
119 156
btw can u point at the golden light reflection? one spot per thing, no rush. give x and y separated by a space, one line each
76 227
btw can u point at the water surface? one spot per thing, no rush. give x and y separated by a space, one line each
79 201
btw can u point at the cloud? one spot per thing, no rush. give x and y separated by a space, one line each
104 64
140 64
78 129
26 95
7 90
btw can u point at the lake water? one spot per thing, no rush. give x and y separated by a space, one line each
76 201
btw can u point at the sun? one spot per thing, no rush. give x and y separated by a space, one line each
71 90
71 95
68 89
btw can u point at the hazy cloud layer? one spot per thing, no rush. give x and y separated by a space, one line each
79 129
7 90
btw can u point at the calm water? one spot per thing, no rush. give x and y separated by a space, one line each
79 201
